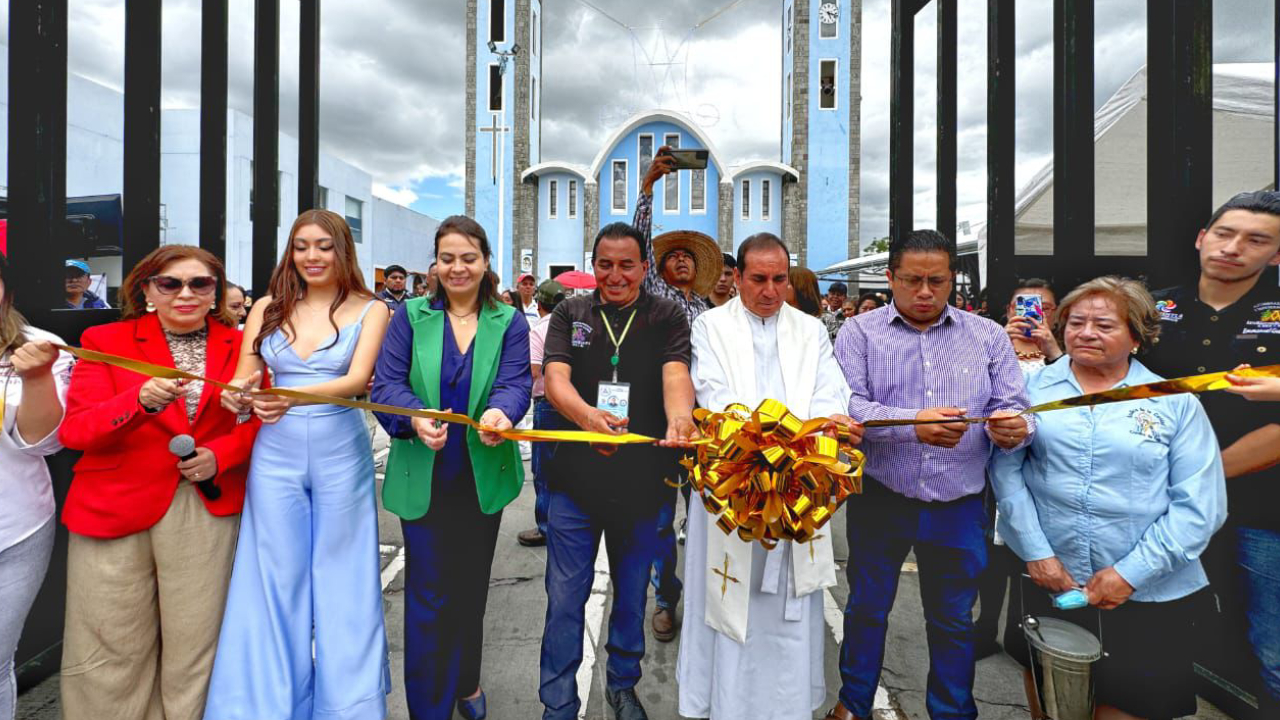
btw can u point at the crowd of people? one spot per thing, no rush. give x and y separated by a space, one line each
224 556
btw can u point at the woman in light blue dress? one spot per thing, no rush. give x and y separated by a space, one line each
307 564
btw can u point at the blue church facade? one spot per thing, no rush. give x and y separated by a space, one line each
552 210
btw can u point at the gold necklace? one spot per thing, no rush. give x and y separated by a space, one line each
462 319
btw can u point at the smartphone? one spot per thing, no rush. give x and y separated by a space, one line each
1028 306
690 159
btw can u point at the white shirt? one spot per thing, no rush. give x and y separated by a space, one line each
531 311
26 494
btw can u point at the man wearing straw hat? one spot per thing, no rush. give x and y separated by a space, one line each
753 624
684 266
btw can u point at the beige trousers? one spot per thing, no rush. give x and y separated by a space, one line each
143 615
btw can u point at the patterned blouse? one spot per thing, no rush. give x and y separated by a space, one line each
188 352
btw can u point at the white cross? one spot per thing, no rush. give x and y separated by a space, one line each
493 131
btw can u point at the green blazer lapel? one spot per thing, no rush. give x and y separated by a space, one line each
428 346
484 358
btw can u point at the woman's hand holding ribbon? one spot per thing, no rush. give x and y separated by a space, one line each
156 393
241 402
496 421
432 433
270 408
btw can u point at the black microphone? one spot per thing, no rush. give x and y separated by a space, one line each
184 446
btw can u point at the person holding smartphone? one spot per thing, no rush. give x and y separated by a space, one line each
1031 311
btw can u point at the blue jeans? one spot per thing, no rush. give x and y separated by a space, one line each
1258 552
951 553
545 417
666 586
573 537
22 570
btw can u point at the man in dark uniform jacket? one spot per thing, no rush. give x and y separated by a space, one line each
1232 316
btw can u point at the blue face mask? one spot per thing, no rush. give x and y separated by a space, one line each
1071 600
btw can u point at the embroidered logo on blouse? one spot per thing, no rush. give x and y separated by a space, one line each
581 336
1147 423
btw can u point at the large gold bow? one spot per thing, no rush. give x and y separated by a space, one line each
770 475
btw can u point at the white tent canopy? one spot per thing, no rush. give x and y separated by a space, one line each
1243 142
878 262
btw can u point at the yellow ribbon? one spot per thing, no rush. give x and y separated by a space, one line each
770 422
769 475
1190 384
168 373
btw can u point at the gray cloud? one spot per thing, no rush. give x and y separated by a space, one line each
392 78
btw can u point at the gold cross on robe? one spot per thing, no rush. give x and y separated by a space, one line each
726 577
812 540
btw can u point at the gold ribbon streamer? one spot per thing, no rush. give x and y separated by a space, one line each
168 373
1190 384
770 476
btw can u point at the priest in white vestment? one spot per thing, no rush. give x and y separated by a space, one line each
753 631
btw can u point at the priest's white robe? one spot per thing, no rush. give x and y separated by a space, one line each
773 668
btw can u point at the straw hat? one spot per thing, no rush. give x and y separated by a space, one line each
708 261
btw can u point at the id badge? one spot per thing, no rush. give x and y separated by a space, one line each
615 398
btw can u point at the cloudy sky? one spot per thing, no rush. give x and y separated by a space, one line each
392 80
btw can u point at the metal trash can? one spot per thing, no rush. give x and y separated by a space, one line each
1063 655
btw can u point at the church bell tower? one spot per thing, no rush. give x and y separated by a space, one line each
821 120
504 117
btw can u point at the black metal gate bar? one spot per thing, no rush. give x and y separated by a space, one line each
947 92
1001 135
37 152
1179 134
309 105
266 140
1073 180
141 129
213 127
901 119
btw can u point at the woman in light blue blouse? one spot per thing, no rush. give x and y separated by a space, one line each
1118 500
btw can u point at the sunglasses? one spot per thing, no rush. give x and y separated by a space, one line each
200 285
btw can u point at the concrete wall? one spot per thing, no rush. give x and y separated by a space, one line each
757 222
405 237
95 132
559 238
627 148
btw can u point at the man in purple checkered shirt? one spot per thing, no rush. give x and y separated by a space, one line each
920 358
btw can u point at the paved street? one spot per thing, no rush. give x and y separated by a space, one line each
513 631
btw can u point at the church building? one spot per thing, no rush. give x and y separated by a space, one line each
542 214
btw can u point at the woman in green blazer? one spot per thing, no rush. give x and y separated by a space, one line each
463 351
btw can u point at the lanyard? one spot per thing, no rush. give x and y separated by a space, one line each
617 342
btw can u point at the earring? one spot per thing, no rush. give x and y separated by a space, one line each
151 307
1133 351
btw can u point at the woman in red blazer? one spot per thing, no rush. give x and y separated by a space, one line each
152 535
